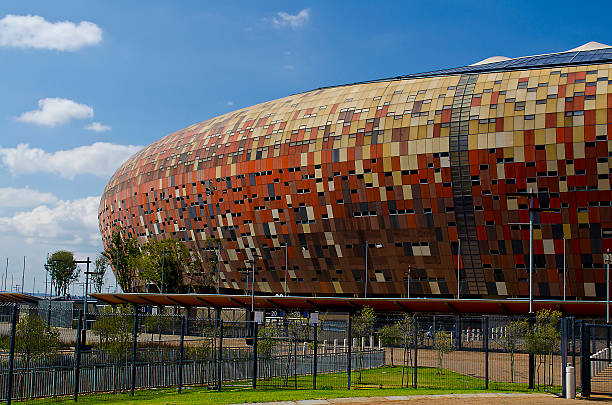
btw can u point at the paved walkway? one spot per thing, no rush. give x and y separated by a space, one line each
473 399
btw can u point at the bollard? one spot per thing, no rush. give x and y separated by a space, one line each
570 375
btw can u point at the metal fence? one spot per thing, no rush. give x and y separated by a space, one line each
125 351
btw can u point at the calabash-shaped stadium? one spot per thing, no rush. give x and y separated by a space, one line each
420 185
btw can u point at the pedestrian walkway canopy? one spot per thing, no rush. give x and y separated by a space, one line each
345 304
19 298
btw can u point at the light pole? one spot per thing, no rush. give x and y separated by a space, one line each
531 195
219 268
564 268
378 246
286 265
408 282
365 293
608 286
87 273
458 267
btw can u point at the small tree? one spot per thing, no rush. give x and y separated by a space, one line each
389 335
115 331
297 330
266 343
177 263
515 331
34 338
543 339
63 270
405 328
443 344
122 251
363 326
97 278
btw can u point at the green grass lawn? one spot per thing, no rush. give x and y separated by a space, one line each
207 397
331 385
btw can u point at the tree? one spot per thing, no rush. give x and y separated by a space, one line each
63 270
170 260
389 335
97 278
405 328
34 338
443 344
266 342
297 330
515 331
543 339
363 326
115 331
122 252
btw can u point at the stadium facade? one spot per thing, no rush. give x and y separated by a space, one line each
395 183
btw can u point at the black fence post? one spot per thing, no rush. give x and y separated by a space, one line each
134 345
314 358
531 358
77 357
350 351
416 351
220 356
14 316
563 356
181 353
585 364
485 343
458 331
574 343
255 325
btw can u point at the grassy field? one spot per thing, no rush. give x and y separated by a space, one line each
202 396
329 386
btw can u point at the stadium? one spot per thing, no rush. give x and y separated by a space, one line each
420 185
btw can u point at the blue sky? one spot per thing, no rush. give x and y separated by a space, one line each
86 83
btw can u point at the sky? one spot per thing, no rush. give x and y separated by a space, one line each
85 84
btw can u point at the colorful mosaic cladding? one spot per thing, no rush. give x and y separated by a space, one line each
410 166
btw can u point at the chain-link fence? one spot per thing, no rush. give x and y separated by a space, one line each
123 350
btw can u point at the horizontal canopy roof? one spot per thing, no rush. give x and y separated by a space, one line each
342 304
18 298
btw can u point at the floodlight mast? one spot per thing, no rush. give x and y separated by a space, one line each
531 195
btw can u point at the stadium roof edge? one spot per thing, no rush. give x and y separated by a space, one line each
344 304
550 60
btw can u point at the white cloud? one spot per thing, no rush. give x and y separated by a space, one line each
54 111
289 67
98 159
23 197
65 222
32 31
229 103
294 21
97 127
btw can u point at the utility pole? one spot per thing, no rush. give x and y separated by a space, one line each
286 265
458 268
23 274
87 273
365 293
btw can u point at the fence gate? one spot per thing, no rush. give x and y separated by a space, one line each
596 365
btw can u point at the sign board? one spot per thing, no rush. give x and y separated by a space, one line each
259 317
314 318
